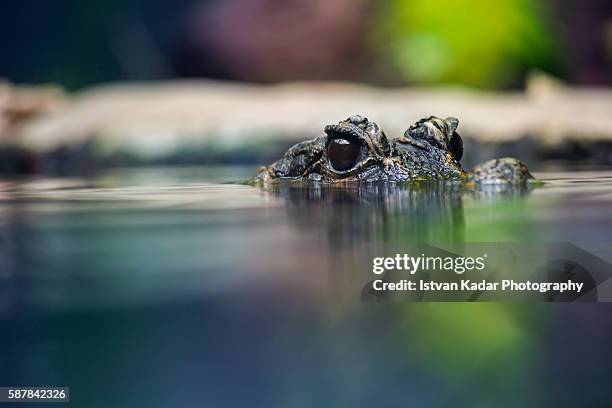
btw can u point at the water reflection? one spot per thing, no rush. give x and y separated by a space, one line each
378 212
225 295
396 214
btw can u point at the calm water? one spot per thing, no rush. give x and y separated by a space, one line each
167 287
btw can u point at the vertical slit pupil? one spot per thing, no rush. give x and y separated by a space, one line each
456 146
343 154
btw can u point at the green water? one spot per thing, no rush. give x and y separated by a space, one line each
172 288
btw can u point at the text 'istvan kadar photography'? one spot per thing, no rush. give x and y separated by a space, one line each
306 203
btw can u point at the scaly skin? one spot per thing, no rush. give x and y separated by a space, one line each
357 150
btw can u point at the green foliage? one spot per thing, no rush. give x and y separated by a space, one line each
472 42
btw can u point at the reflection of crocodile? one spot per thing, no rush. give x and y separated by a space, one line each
356 149
386 212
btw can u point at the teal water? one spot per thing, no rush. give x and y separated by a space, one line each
171 287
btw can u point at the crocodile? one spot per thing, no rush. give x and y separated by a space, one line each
357 150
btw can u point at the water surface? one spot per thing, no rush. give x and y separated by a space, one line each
172 287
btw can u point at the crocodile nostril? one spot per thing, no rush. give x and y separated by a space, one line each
343 154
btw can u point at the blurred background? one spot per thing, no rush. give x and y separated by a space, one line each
160 82
393 42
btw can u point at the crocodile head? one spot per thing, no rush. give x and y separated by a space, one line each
357 150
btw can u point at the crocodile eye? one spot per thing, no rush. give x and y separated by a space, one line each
343 154
456 146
